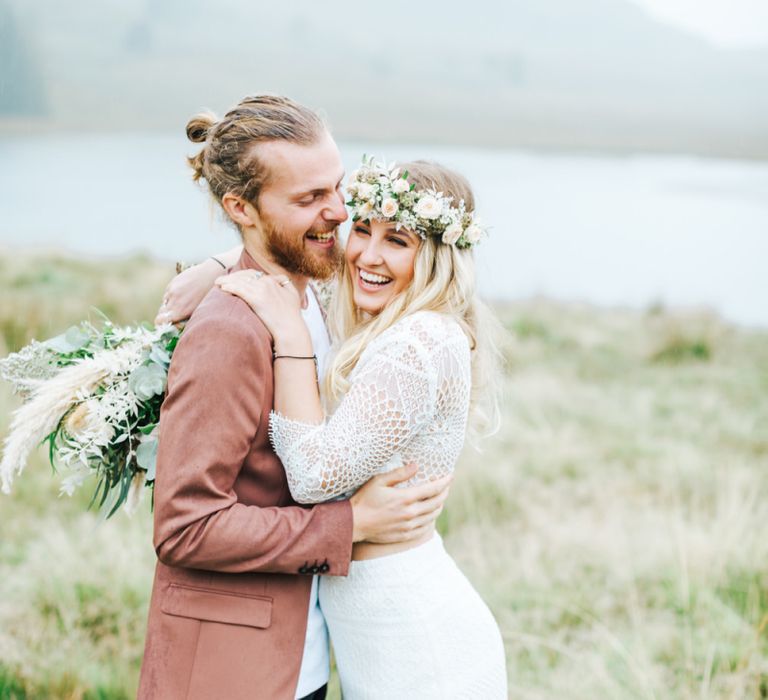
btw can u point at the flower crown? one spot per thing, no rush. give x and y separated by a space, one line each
382 193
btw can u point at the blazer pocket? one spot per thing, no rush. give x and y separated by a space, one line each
218 606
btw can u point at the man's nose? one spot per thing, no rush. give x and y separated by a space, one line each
336 211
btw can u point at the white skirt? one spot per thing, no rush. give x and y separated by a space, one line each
410 625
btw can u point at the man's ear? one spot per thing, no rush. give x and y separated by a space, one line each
243 213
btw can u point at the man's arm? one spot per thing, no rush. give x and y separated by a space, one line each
186 290
209 420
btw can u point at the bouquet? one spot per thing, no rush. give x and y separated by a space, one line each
93 395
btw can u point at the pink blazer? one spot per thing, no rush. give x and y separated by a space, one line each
230 598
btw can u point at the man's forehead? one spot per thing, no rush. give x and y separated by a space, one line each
302 167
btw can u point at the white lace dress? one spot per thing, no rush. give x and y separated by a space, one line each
405 625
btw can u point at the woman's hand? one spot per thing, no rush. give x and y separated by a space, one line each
275 300
185 291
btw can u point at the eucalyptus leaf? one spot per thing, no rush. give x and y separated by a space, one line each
160 356
147 381
146 457
71 340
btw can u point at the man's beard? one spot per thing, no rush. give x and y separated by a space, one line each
289 252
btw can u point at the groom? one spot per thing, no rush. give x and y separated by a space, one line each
234 611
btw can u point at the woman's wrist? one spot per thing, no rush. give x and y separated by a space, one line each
293 339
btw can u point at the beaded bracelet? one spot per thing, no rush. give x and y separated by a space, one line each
275 356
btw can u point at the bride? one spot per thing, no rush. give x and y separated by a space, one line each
411 367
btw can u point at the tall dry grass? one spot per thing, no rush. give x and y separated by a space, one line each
616 525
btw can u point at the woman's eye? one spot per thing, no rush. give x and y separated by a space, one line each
398 241
361 230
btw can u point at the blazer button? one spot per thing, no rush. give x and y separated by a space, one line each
303 570
315 569
324 569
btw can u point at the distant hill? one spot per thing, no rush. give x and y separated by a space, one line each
581 74
22 91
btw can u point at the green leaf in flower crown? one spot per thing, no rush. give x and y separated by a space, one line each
70 341
146 457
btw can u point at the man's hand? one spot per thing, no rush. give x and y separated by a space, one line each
185 291
384 514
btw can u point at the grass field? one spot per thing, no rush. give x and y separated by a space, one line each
617 526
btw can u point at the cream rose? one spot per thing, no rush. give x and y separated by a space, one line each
428 208
401 185
452 234
389 208
473 234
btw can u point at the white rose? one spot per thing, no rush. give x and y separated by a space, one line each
389 208
473 234
401 185
428 208
352 189
365 190
452 234
365 210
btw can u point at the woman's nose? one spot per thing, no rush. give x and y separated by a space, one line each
371 253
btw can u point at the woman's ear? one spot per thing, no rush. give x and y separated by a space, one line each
241 212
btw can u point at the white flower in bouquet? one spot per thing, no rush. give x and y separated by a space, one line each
97 405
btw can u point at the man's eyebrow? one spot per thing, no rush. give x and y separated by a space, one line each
319 190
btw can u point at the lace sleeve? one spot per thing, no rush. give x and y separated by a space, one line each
391 398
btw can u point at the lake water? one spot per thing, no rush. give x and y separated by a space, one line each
608 230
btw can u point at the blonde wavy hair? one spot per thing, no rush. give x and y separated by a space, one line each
444 282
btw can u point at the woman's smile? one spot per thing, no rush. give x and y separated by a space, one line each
380 260
371 281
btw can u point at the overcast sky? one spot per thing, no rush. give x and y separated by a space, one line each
732 23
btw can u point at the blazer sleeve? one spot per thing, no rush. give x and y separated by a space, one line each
209 419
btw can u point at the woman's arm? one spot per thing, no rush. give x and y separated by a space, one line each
185 291
278 305
392 397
